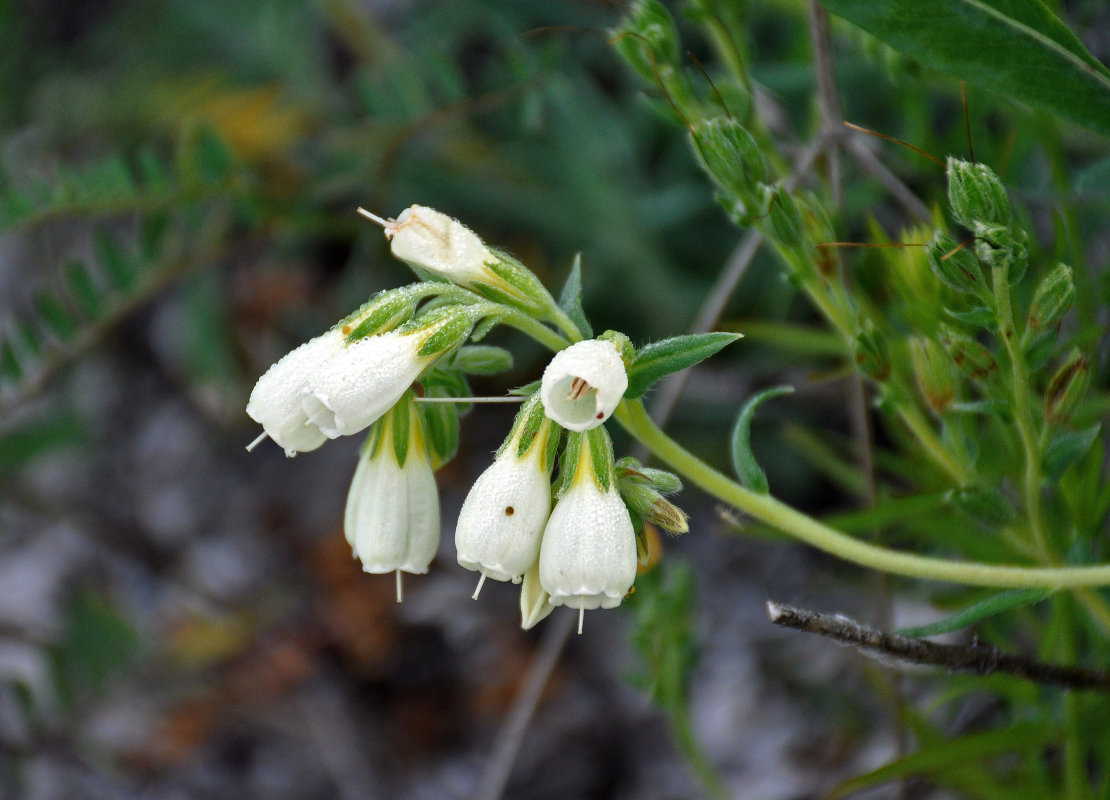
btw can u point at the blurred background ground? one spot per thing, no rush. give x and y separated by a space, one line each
182 619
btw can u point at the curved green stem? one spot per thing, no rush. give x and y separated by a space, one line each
532 327
635 420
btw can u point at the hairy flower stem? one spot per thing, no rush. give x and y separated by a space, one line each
635 420
1023 412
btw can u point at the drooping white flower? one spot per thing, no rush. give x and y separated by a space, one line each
433 241
502 519
275 402
588 554
583 384
348 392
392 515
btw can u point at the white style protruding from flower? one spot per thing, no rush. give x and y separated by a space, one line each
435 242
502 519
588 555
392 515
347 393
583 384
275 402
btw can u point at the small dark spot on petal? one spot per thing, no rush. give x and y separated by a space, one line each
601 415
346 329
509 511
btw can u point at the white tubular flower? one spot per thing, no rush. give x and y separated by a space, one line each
275 402
439 244
583 384
392 515
502 519
347 393
588 554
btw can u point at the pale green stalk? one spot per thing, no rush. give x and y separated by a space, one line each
635 420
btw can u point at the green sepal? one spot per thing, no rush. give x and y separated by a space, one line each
644 498
440 423
1066 448
382 313
601 456
984 503
526 426
656 360
976 194
530 293
482 360
744 462
554 439
955 266
570 300
1038 349
647 39
629 468
1067 387
988 607
486 325
450 335
1053 298
527 389
568 465
401 425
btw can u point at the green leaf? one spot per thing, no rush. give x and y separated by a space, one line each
482 359
654 361
978 316
571 298
743 459
55 316
984 503
527 389
1067 448
441 428
113 260
995 604
601 456
1014 47
82 288
941 758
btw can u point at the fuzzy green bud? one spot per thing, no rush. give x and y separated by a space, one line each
1054 297
955 266
623 345
872 354
648 39
935 374
977 195
1000 248
784 218
1067 387
731 157
972 358
643 488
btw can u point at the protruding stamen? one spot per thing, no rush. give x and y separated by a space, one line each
481 581
257 441
578 389
400 591
374 217
581 616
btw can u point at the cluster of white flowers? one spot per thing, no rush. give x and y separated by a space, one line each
581 553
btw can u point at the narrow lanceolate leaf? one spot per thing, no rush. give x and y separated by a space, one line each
571 299
1014 47
939 760
743 459
656 360
1067 448
55 316
995 604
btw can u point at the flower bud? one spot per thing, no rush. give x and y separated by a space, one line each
647 39
643 489
955 266
872 354
1054 297
583 384
973 359
977 195
784 219
935 376
731 157
1067 387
